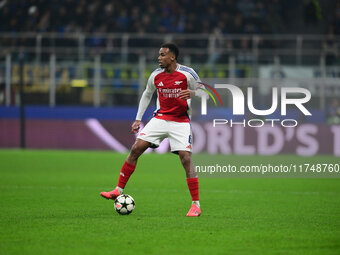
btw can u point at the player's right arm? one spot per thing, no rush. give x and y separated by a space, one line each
135 126
144 103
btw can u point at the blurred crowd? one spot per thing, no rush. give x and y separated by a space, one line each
333 112
152 16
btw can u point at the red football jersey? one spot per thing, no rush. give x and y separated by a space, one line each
168 86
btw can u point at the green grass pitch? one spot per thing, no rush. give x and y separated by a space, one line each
50 204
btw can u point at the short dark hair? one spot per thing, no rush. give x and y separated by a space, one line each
172 47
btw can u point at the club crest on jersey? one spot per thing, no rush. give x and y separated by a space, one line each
178 82
160 84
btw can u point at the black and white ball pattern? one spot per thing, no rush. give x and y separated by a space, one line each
124 204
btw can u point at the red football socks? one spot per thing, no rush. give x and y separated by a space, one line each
193 187
125 173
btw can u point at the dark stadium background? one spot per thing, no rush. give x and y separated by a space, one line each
111 48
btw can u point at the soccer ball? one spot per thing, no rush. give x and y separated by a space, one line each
124 204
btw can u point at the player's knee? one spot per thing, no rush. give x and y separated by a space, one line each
136 151
185 158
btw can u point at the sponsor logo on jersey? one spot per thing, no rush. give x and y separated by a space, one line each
160 84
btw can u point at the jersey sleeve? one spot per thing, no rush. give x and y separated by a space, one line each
195 85
146 97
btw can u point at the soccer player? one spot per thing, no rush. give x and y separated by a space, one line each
176 85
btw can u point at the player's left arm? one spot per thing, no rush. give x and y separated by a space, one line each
186 94
194 87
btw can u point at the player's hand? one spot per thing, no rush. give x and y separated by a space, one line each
186 94
135 127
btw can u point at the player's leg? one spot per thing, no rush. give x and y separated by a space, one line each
137 149
128 168
130 163
192 181
186 160
151 136
180 139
